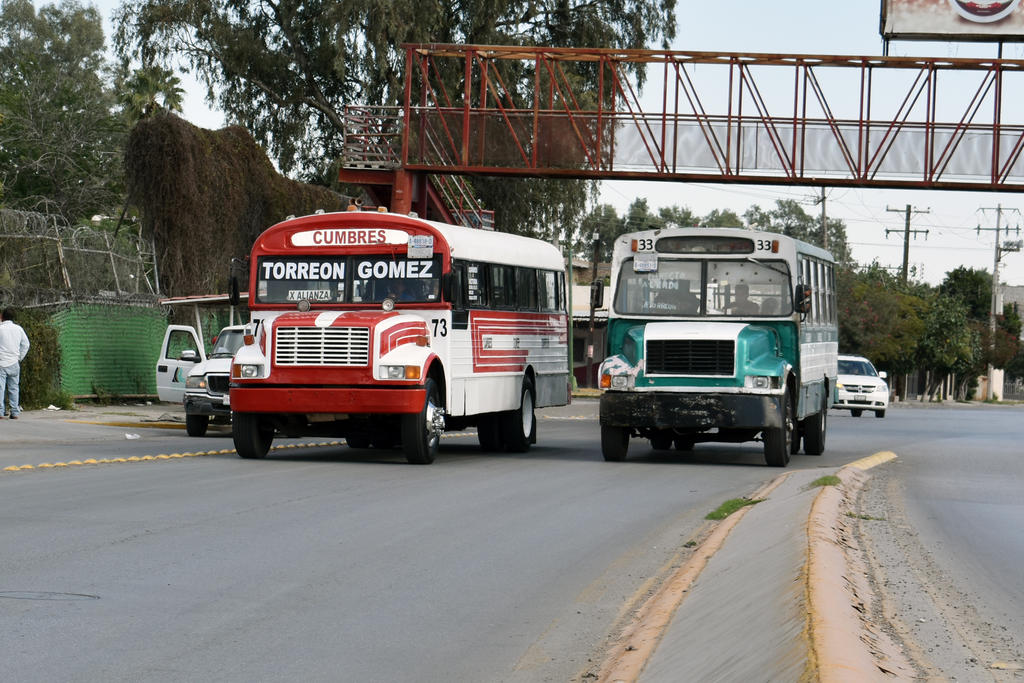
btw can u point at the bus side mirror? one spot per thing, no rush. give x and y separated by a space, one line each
596 293
803 299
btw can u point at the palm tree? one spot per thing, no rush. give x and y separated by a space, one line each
149 91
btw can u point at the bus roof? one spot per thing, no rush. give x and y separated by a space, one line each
622 242
470 244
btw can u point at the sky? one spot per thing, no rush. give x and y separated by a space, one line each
848 27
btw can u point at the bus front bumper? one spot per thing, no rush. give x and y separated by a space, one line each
671 410
319 400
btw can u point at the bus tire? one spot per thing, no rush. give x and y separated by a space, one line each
815 428
661 441
195 425
421 432
614 443
778 441
519 427
488 431
252 435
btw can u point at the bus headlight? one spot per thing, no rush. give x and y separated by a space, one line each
197 382
399 372
246 371
760 382
618 382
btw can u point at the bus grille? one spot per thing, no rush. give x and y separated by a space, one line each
322 346
690 357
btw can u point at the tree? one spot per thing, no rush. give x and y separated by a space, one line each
721 218
287 70
949 343
60 142
973 287
879 319
150 91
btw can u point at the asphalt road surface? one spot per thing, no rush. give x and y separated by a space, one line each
328 563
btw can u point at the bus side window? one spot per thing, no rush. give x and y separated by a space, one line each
526 288
475 292
502 286
547 290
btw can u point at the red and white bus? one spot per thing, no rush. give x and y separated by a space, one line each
386 328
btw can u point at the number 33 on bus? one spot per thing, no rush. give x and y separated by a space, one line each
384 328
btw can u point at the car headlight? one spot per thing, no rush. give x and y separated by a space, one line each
399 372
197 382
246 370
839 385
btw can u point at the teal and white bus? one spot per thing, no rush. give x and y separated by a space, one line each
719 334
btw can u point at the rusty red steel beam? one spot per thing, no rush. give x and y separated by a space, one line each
550 124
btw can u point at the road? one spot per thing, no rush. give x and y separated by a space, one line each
944 531
328 563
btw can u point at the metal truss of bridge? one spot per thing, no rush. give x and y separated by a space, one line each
821 120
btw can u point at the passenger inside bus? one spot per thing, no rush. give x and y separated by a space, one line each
686 302
741 303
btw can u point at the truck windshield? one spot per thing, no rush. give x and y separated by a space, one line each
228 342
706 288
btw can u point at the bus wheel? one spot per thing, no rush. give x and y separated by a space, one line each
421 432
614 443
357 441
814 432
488 431
661 441
779 440
683 444
195 425
252 435
519 427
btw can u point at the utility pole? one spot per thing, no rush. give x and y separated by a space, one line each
994 308
824 222
906 234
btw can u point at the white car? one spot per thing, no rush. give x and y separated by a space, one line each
206 388
861 387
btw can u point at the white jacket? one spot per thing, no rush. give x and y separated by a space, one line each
13 343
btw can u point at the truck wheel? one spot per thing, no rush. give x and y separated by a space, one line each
683 444
614 443
421 432
879 413
488 431
519 427
195 425
856 412
251 434
779 440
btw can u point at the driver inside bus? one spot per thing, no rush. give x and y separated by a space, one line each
403 290
741 304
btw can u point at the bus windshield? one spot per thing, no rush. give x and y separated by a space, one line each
739 288
347 279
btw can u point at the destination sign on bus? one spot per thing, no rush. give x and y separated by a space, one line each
349 237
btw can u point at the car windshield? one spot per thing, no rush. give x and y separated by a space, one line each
678 287
857 367
228 342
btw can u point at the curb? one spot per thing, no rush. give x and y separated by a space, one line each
843 646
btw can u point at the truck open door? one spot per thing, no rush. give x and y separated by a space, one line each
181 350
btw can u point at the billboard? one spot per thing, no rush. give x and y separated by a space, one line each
976 20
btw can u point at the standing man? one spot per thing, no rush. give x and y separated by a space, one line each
13 347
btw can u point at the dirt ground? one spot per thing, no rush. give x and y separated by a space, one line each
917 604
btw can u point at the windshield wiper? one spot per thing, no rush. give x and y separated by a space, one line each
768 266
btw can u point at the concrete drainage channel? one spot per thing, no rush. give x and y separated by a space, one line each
774 592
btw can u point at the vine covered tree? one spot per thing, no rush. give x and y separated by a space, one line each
286 70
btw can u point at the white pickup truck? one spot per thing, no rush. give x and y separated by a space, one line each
184 373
